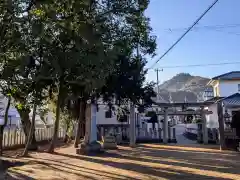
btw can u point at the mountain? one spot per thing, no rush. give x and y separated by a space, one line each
183 87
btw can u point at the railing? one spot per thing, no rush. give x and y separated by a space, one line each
15 136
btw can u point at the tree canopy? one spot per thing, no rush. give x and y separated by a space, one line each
61 51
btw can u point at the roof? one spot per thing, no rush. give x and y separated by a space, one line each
228 76
214 99
232 101
180 104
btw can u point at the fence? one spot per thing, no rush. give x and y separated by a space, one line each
15 136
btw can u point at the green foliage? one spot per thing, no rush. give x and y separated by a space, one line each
67 51
153 119
126 82
150 113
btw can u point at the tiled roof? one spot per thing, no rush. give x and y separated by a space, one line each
214 99
232 101
228 76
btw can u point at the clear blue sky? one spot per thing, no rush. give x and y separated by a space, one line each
201 46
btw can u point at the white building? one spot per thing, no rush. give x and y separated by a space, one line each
226 84
208 93
226 88
104 119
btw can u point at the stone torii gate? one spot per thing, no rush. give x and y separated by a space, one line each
165 112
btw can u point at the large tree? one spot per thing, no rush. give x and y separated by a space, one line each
127 82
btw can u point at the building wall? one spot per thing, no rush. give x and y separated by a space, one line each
226 88
101 119
212 119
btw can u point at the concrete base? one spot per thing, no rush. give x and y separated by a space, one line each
109 142
89 148
109 146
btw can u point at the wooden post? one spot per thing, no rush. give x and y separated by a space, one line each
160 134
15 136
132 126
165 126
169 134
174 140
88 124
8 137
204 128
221 126
102 132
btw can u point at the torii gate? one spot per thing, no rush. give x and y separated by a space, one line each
165 112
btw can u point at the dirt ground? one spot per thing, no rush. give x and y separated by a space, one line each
146 161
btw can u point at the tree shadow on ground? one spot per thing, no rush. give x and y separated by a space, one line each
149 161
163 172
76 169
9 163
12 175
42 147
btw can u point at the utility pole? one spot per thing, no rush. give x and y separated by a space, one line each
158 99
158 90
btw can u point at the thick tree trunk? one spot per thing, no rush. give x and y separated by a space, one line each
80 121
221 126
31 132
26 124
5 123
56 124
1 140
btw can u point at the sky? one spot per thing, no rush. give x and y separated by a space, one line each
200 46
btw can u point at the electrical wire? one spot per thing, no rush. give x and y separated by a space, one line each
184 34
206 27
199 65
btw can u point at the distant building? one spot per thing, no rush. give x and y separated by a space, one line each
226 84
208 93
226 88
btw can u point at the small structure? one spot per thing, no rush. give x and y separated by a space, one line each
90 144
109 142
167 111
231 108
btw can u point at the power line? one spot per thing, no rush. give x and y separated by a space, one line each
199 65
206 27
189 29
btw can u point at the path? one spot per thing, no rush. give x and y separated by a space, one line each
181 139
147 161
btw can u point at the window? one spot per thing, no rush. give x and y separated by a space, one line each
238 87
108 114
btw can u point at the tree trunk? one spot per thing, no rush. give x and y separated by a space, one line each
56 124
66 138
5 123
80 121
1 140
221 126
26 124
31 132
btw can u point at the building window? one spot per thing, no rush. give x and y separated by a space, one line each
108 114
238 87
